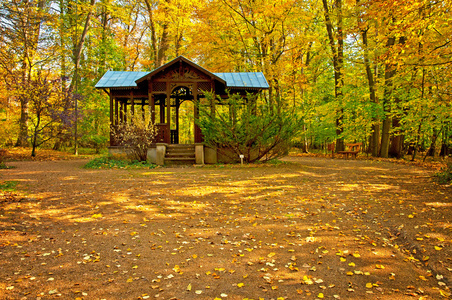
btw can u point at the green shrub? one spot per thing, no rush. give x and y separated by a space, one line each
108 162
242 126
8 186
445 175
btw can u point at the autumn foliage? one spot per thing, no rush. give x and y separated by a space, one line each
249 128
137 135
376 72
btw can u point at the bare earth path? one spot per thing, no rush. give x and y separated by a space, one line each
314 228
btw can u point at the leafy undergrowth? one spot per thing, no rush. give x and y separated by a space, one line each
445 174
8 186
314 228
4 166
108 162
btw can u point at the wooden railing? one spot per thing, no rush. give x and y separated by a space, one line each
174 137
163 135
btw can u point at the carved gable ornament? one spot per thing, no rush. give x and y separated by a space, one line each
184 73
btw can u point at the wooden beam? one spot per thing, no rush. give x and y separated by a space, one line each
106 91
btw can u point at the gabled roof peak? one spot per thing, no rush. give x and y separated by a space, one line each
176 60
125 80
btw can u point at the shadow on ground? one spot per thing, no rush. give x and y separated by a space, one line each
311 228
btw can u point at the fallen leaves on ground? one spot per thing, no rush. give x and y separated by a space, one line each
312 229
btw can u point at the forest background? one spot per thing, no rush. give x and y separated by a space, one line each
376 72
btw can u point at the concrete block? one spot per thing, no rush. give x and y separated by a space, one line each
199 154
160 154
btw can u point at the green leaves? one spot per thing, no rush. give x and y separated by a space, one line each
244 126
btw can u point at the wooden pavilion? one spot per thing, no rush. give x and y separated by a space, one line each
162 91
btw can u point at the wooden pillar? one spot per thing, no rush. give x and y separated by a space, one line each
143 103
177 113
168 107
198 137
132 103
152 107
116 112
121 111
125 111
112 125
162 112
151 101
111 110
177 120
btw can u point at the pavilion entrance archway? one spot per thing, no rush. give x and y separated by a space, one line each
182 115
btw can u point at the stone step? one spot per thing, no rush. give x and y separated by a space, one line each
180 150
180 154
169 148
179 161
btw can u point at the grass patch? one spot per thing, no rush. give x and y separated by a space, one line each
108 162
8 186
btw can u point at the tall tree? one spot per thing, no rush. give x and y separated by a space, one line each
336 40
20 32
364 28
159 29
81 14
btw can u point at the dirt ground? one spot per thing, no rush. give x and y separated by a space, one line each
312 228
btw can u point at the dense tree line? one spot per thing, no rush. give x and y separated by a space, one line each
377 72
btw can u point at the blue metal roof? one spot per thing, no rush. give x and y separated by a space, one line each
244 80
124 79
120 79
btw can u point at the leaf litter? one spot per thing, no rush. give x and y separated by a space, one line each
314 228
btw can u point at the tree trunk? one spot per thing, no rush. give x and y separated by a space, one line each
390 72
416 145
338 63
396 147
23 123
163 46
79 43
446 148
374 140
159 51
23 100
431 151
